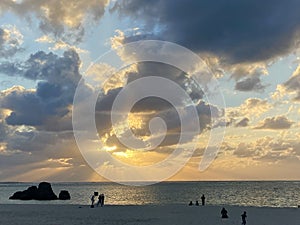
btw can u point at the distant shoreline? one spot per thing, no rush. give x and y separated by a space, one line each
150 182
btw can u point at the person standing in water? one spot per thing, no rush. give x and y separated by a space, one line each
203 200
244 216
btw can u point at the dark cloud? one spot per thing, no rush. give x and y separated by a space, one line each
10 42
249 84
2 34
293 84
152 107
275 123
54 69
13 69
145 69
168 114
46 90
243 123
240 38
25 145
240 31
3 131
47 107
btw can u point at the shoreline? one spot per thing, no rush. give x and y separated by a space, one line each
60 203
68 214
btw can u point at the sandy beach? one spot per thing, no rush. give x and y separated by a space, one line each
141 215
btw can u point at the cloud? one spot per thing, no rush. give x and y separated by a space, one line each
3 131
54 69
256 105
235 37
248 76
293 84
275 123
269 150
237 30
49 105
152 107
47 156
244 150
243 123
25 106
249 110
249 84
251 107
64 19
24 149
10 41
59 44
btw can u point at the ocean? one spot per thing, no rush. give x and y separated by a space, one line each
239 193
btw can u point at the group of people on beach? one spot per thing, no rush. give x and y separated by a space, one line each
224 215
197 203
100 202
224 212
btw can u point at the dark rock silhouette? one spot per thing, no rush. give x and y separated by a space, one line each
26 195
45 192
64 195
42 192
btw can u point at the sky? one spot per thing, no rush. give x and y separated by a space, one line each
251 48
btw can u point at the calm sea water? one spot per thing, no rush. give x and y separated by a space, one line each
250 193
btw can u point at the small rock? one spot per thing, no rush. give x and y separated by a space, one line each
64 195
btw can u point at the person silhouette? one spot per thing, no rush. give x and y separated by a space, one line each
99 200
102 197
224 213
191 203
92 200
197 203
203 199
244 216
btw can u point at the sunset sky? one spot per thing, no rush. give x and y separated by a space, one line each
252 48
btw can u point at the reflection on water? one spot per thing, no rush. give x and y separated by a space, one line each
275 194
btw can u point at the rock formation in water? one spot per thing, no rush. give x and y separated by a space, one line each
42 192
64 195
